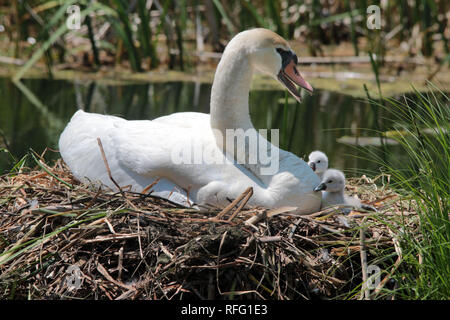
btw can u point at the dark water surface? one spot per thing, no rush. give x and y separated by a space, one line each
317 123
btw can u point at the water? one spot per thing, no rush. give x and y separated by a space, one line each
318 123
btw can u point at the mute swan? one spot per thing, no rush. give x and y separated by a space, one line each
333 185
318 161
140 151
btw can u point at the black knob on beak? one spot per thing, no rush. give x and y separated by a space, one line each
321 187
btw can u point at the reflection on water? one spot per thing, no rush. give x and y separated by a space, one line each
317 123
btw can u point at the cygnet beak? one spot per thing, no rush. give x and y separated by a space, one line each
321 187
312 165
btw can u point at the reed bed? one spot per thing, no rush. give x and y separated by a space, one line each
137 246
145 33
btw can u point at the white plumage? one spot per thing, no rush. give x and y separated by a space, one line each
333 191
318 161
140 151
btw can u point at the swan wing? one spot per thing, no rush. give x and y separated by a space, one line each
187 156
80 150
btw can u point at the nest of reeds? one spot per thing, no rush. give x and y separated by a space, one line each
60 239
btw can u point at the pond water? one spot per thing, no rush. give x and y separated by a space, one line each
319 122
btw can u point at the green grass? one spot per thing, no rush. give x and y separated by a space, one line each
136 27
423 132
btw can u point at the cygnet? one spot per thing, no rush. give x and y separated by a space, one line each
333 185
318 161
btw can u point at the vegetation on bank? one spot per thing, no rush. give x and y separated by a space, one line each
423 176
145 33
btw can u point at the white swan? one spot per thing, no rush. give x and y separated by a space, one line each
139 152
332 187
318 161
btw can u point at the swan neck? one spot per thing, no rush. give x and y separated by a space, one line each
230 90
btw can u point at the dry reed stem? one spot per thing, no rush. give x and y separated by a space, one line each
248 193
102 151
365 292
234 203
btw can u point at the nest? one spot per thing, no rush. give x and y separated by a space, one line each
60 239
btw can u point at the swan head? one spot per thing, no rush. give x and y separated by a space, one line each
332 181
318 161
270 54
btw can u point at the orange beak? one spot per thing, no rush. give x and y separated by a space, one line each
289 77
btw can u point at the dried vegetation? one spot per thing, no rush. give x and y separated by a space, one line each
137 246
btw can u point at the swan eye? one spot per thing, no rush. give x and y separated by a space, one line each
330 181
318 161
286 56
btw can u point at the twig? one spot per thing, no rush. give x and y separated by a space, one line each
218 261
365 292
113 237
151 185
232 204
166 251
399 252
120 264
294 227
43 166
105 273
17 245
385 280
111 228
107 166
247 197
139 236
270 239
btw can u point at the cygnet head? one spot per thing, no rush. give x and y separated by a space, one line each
332 181
318 161
270 54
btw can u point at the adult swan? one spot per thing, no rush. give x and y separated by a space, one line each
141 151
